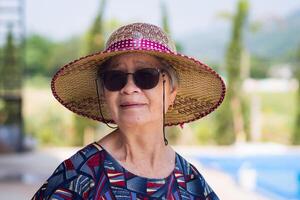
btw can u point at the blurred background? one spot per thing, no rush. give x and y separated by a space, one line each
247 149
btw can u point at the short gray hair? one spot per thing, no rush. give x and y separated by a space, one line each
171 72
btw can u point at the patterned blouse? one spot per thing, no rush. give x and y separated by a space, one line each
92 173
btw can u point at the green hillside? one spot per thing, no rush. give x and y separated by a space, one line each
275 39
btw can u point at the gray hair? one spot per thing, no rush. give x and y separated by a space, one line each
171 72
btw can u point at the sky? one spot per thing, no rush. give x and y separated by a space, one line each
61 19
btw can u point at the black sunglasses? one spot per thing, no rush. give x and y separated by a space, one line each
145 78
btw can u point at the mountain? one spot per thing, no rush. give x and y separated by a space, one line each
274 39
277 37
206 45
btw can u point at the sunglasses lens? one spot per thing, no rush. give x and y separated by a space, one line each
114 80
146 78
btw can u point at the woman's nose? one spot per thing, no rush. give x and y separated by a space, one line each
130 86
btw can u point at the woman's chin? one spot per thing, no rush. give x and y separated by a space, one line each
132 121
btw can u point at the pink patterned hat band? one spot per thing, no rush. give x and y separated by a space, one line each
137 44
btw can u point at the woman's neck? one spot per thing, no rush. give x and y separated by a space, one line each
140 148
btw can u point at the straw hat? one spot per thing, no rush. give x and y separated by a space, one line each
201 90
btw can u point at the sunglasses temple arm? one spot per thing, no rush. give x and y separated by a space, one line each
99 105
165 139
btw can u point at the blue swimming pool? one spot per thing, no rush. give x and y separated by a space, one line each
276 176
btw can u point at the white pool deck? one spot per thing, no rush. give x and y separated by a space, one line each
27 171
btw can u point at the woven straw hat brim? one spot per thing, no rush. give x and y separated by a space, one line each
201 90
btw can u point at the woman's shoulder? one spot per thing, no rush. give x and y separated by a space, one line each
186 167
88 157
192 179
75 176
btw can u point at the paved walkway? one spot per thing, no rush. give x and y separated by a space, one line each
22 174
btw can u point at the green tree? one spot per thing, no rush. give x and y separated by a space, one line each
62 52
10 67
95 35
230 117
39 51
165 24
260 67
44 56
165 18
94 43
10 81
296 132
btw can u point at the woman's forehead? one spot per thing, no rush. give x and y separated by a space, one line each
135 59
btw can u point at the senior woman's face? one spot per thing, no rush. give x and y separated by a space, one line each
132 105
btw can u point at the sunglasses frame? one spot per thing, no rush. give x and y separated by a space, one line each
134 74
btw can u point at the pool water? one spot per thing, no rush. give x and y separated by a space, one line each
276 176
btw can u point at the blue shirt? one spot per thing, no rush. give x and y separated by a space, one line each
92 173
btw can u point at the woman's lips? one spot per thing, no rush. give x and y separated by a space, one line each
132 105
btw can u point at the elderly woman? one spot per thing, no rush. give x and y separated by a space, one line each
140 84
